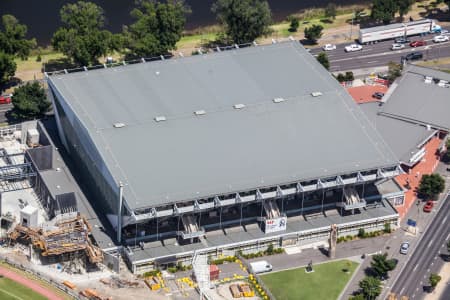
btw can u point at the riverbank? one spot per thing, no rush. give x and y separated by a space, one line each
338 30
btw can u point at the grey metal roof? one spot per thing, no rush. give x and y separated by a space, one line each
403 138
419 102
225 150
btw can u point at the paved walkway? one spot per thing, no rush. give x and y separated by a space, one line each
363 94
29 283
426 166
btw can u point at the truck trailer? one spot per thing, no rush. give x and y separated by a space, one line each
392 31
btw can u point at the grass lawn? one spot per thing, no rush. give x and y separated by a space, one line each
11 290
326 282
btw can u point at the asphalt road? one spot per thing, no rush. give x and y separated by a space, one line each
3 109
379 54
425 258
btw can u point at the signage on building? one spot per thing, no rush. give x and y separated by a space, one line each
274 225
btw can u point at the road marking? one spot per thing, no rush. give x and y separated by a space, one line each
401 292
413 295
421 283
371 62
445 219
415 268
429 244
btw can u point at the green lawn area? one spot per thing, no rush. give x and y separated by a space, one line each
11 290
326 282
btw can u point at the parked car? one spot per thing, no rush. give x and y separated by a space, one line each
418 43
353 47
428 207
440 38
5 99
413 56
329 47
397 46
401 40
378 95
404 247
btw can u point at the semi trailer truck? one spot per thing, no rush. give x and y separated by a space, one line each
392 31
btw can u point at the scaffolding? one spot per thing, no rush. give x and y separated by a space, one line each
71 235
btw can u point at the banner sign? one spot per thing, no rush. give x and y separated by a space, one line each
274 225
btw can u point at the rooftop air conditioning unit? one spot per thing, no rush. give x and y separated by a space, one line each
278 100
239 106
316 94
160 118
119 125
199 112
428 79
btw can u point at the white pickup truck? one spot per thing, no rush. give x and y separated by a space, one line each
353 47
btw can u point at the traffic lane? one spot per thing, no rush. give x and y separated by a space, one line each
382 59
423 255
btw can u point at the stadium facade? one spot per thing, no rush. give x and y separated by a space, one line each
232 150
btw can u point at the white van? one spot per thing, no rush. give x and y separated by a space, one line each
260 266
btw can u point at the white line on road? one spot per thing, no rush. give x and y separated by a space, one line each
371 62
429 244
445 219
415 268
401 292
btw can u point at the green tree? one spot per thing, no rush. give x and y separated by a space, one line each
434 280
384 10
313 33
387 227
340 77
295 23
359 296
380 265
330 11
243 20
404 6
157 27
431 185
349 76
29 101
12 38
361 233
7 67
81 37
322 58
370 287
394 71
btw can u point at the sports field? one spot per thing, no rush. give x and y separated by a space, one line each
326 282
11 290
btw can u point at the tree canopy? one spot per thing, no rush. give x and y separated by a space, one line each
322 58
157 27
12 38
431 185
82 37
7 67
330 11
380 265
243 20
384 10
404 6
370 287
313 33
29 101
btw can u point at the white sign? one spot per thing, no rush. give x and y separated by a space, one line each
274 225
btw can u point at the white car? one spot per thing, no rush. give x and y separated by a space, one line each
329 47
397 46
440 38
404 247
353 47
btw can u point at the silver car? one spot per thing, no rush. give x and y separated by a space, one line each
397 46
404 248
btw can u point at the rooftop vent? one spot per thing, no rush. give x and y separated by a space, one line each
443 83
119 125
316 94
199 112
239 106
160 118
428 79
278 100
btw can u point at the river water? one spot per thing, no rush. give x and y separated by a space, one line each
42 16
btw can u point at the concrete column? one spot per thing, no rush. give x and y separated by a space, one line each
119 213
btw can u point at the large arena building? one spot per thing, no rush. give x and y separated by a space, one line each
223 151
